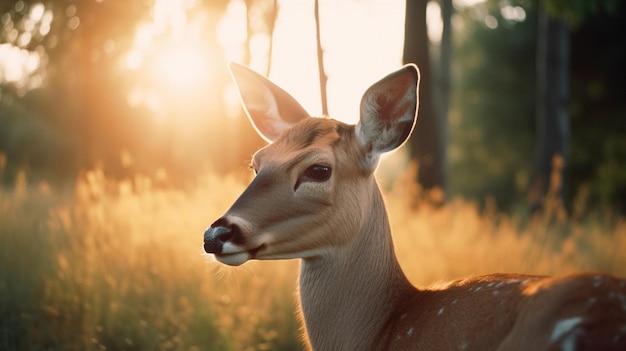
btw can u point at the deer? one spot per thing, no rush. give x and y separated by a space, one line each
314 197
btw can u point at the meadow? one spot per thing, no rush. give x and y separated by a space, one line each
118 265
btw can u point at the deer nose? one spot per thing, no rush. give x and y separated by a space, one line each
215 237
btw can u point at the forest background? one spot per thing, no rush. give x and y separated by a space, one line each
122 138
143 88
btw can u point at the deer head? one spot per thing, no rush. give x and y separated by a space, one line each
308 197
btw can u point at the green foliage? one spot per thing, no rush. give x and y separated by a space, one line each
598 147
24 262
34 145
491 120
576 12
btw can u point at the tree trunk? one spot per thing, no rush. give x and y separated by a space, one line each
271 26
447 10
426 145
552 119
320 61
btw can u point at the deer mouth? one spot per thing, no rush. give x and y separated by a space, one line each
254 252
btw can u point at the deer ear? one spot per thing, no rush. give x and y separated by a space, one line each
388 113
270 109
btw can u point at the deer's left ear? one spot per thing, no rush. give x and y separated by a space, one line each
270 109
388 113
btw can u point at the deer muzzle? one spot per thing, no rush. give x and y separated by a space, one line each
226 242
215 238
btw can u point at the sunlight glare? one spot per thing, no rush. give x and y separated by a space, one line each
36 12
232 101
19 61
259 43
491 22
466 3
168 55
144 36
134 59
362 42
435 23
17 64
232 31
513 13
182 66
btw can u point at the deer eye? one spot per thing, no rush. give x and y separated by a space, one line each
315 173
318 173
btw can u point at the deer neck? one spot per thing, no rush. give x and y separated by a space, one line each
344 296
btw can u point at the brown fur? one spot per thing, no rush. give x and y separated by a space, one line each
353 293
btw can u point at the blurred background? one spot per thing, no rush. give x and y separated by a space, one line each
122 137
143 87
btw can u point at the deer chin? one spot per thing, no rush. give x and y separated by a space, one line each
234 259
234 256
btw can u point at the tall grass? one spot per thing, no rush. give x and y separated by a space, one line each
119 265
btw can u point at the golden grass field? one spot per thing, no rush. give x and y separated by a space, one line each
118 265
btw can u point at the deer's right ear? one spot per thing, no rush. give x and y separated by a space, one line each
388 113
270 109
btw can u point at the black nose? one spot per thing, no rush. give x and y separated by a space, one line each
216 235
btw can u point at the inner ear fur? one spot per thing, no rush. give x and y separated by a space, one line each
270 109
389 112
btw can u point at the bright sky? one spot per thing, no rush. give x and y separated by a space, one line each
362 42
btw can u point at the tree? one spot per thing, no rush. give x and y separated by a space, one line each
427 144
597 167
320 60
552 118
552 157
260 20
493 103
445 78
83 49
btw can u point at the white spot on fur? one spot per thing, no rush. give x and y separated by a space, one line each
516 281
455 301
463 346
565 330
597 281
569 343
410 331
440 312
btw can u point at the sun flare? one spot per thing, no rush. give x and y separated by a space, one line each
181 67
170 56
